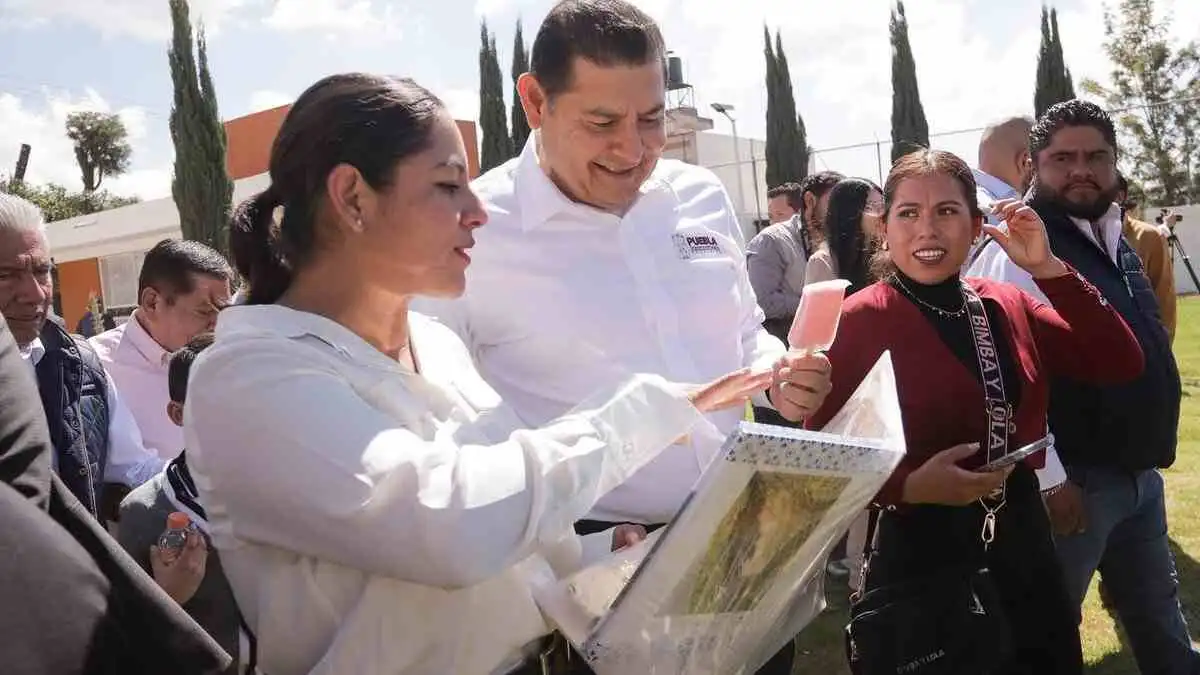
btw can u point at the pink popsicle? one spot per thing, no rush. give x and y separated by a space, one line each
816 322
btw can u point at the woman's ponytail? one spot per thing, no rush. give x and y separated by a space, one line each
254 243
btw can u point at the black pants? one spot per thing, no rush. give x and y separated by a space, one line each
780 664
922 540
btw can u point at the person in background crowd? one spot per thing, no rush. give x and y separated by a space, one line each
1110 514
784 201
920 314
181 287
194 578
777 257
74 603
1154 251
375 507
96 439
1004 166
602 259
852 235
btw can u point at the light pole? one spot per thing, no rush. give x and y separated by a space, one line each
726 109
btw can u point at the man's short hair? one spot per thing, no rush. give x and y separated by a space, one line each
793 191
180 367
605 32
818 184
1073 113
169 266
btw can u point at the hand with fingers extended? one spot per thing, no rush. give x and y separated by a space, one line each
940 480
799 384
729 391
1025 239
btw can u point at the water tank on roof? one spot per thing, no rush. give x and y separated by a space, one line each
674 72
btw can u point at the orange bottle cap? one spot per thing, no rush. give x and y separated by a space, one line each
178 520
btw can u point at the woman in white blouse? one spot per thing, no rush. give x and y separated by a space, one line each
376 510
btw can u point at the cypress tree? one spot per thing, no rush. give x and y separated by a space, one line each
493 123
1054 82
910 131
200 185
774 167
792 144
520 66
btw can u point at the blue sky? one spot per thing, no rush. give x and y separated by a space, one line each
975 62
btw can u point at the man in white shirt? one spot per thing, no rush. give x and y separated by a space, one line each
96 440
181 287
1004 167
600 260
1110 515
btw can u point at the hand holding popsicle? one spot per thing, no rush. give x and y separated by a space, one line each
801 378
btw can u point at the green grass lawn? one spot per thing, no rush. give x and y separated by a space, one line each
820 647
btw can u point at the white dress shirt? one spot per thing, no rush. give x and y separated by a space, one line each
994 263
129 462
562 297
138 364
373 520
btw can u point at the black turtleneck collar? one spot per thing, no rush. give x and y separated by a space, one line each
945 295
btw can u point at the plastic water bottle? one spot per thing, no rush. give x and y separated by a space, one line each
173 539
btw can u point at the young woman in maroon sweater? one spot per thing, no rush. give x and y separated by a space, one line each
918 312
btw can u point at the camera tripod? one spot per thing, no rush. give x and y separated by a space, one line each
1177 246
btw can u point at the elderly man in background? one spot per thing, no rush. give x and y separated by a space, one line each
95 438
181 287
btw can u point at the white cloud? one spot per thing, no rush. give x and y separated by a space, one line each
265 99
142 19
41 124
351 18
463 104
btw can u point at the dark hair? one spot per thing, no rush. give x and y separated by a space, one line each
605 32
818 184
924 162
848 245
180 366
170 265
793 191
370 122
1073 113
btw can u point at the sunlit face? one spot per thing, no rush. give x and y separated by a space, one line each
601 138
929 228
26 285
779 210
1078 172
417 231
815 209
175 318
872 216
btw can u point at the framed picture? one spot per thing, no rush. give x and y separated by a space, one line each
738 572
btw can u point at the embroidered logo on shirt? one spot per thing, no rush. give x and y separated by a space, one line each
696 246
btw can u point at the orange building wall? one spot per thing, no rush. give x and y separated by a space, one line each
78 281
249 139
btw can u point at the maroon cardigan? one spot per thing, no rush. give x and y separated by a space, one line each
941 400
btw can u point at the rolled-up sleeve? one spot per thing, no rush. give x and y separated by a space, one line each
301 462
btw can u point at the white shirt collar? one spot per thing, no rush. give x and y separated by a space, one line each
995 187
1110 223
541 199
33 352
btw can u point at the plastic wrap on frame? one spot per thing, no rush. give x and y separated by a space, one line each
738 572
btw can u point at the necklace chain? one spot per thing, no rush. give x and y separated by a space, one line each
945 313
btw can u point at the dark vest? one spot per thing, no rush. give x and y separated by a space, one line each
1132 426
74 392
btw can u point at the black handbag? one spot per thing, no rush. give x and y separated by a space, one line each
951 622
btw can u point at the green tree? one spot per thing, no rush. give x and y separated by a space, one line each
59 203
520 66
101 146
793 146
1154 89
910 130
493 123
201 186
1054 83
774 169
